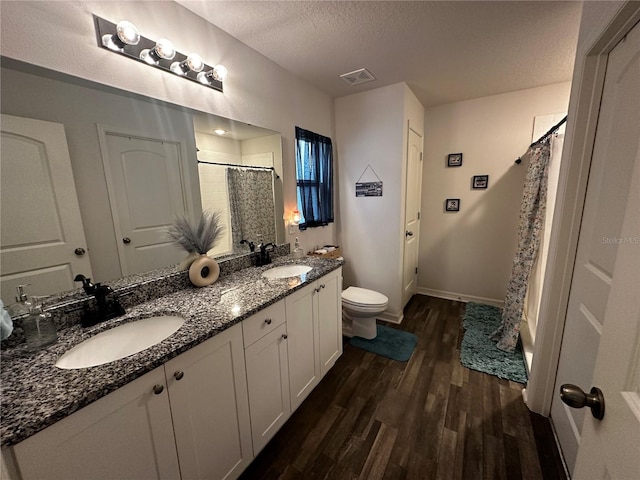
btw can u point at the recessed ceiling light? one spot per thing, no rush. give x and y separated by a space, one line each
220 131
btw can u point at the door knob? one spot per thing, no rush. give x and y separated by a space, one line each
79 251
576 398
408 233
126 240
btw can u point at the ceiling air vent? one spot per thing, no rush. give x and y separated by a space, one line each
357 77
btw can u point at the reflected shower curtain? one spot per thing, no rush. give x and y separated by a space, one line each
251 204
530 226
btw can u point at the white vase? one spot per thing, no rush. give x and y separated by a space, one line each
204 271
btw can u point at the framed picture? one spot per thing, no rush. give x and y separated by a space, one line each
480 181
454 160
452 205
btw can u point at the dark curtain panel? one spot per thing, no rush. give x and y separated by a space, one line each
314 175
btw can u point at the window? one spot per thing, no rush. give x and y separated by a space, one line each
314 176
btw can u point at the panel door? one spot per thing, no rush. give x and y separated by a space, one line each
41 225
600 281
268 384
209 403
609 448
330 319
303 343
126 434
413 185
148 188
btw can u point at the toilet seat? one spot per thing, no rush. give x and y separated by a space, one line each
363 299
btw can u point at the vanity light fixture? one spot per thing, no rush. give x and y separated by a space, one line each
124 39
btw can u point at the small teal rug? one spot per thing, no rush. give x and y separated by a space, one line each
479 352
389 342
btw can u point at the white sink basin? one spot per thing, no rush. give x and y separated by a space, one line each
120 342
286 271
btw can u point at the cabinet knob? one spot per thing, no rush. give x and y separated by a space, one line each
316 289
322 286
178 375
158 389
284 336
126 240
267 321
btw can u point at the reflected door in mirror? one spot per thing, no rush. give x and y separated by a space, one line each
41 225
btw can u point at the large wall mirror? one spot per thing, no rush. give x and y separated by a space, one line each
92 177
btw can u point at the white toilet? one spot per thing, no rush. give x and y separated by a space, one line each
360 307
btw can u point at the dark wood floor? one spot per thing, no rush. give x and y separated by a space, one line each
430 417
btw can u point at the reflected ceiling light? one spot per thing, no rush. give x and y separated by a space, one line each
126 34
219 73
124 39
193 63
220 131
163 50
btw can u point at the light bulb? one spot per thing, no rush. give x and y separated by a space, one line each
126 34
163 50
220 73
296 217
193 62
203 77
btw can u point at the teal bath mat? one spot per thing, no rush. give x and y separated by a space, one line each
479 352
390 342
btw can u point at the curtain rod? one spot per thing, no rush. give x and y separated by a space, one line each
239 166
551 131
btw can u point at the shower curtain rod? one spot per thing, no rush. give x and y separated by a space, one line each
239 166
551 131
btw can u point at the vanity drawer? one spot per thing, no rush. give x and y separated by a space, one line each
257 326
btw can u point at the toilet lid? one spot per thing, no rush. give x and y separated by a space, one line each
363 296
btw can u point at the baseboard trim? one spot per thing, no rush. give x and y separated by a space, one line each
460 297
391 318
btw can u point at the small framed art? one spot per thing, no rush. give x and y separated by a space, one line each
454 160
452 205
480 182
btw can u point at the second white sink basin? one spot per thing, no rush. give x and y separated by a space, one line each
120 342
286 271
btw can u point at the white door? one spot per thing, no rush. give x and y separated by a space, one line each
41 225
148 186
602 324
412 216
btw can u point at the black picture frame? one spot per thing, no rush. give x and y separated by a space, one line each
480 182
454 160
452 205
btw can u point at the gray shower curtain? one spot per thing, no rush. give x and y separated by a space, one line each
530 226
251 204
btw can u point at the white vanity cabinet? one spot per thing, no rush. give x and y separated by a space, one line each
135 431
314 333
266 340
126 434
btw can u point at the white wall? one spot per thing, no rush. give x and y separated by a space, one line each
60 35
371 129
468 254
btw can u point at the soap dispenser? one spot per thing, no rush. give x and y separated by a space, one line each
39 328
23 302
297 251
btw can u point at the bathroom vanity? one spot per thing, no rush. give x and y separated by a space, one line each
200 404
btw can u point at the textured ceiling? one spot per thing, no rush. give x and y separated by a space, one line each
446 51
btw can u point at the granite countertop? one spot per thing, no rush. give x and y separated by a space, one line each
36 394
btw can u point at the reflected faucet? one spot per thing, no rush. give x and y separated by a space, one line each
252 246
106 308
263 256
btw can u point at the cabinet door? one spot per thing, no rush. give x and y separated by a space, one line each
126 434
330 319
209 404
302 346
268 382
